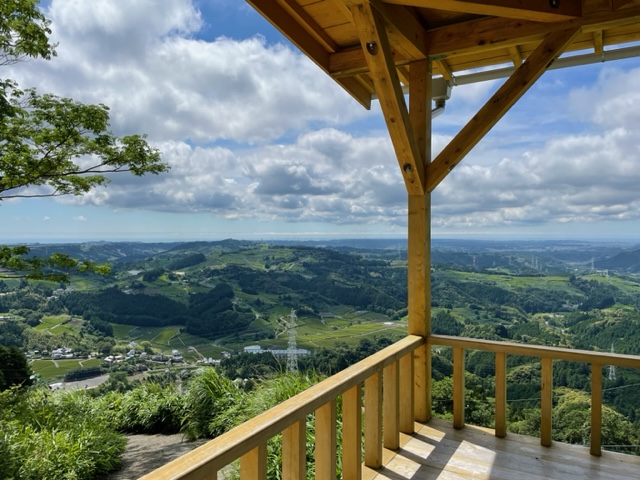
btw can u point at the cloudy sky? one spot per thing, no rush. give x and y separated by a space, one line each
263 145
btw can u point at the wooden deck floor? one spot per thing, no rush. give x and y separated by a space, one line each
438 451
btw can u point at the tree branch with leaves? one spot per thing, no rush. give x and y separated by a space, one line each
51 145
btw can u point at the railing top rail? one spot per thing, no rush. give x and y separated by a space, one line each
556 353
219 452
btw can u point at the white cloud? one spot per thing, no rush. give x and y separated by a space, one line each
142 59
253 130
80 218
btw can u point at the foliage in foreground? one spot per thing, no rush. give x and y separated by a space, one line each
51 436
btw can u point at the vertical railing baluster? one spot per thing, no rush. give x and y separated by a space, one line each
546 401
373 421
391 416
326 441
294 451
501 395
596 409
406 394
458 387
352 434
253 464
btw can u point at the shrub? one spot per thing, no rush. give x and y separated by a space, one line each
48 435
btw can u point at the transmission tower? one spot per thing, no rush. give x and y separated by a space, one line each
612 368
292 351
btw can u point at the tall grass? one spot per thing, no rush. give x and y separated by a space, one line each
216 405
51 436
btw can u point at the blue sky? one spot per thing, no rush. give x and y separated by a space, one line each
263 145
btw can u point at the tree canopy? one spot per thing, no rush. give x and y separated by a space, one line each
51 145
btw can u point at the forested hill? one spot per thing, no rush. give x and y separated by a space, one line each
241 289
208 300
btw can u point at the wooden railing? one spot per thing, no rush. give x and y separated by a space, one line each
390 385
547 354
388 378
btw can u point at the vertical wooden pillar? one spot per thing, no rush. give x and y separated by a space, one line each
390 410
253 465
406 394
294 451
326 441
458 387
419 243
596 409
373 421
501 394
546 401
351 434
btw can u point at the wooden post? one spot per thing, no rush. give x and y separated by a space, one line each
373 421
501 395
253 465
391 417
596 409
419 243
326 441
458 387
546 401
294 451
351 434
406 394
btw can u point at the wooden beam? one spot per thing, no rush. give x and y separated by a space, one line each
498 105
444 68
406 34
419 240
310 25
515 55
534 10
486 33
301 38
598 42
373 38
352 61
481 35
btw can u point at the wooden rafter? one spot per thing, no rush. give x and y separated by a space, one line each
404 31
298 13
498 105
482 35
444 69
598 42
371 29
486 33
516 56
290 26
534 10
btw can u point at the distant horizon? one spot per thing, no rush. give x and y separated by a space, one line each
486 238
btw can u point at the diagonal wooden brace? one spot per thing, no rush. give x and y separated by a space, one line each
498 105
371 29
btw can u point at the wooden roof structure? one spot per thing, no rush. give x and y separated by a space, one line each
372 48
